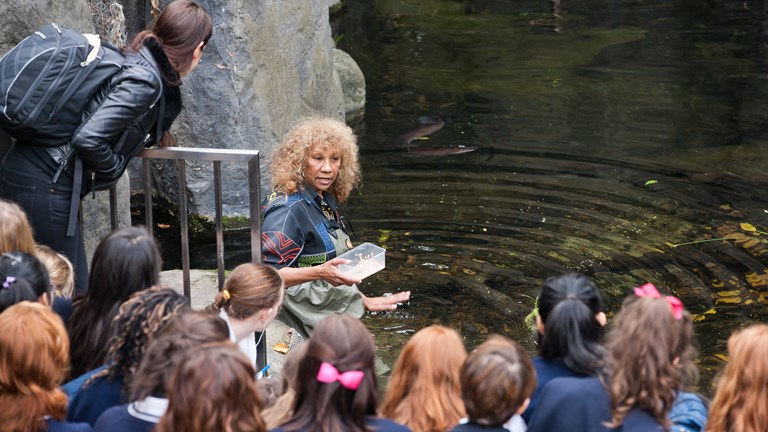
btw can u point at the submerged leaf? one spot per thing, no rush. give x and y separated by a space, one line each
747 227
650 182
729 300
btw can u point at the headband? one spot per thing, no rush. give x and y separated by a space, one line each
649 290
349 379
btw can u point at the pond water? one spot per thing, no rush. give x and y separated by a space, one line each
607 132
607 135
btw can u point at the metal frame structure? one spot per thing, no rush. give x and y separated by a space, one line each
216 156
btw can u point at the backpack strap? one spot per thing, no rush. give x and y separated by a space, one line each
74 205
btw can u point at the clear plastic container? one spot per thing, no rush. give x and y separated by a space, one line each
366 259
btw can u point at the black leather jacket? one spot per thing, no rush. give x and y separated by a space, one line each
119 121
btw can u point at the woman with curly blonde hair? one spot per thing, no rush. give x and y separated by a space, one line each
313 168
424 392
741 401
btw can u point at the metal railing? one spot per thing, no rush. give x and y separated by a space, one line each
216 156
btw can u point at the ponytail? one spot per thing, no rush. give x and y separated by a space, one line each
14 291
572 335
568 306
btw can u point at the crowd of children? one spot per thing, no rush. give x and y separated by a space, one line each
130 355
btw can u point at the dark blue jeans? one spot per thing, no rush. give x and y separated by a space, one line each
47 207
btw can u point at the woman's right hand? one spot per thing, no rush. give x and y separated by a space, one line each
329 272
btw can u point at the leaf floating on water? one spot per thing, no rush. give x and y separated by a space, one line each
729 300
163 226
702 316
672 245
722 357
756 280
752 243
747 227
650 182
384 236
731 293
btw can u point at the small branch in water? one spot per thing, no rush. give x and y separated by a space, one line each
696 242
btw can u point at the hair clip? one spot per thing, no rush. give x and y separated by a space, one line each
13 257
226 294
349 379
8 281
649 290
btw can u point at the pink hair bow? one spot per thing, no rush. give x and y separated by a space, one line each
649 290
349 379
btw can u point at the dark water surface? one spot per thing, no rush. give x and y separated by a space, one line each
606 134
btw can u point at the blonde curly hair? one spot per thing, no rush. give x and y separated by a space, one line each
290 158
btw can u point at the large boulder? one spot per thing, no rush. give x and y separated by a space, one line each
352 84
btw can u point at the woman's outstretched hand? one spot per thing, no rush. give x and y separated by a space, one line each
385 303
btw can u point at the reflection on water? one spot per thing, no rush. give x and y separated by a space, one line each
605 135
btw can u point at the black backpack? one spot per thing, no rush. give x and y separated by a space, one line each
47 80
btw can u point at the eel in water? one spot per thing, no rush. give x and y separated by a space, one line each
429 125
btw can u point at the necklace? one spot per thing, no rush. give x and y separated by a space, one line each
327 210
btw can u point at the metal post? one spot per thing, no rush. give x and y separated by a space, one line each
254 188
113 207
219 223
184 226
148 200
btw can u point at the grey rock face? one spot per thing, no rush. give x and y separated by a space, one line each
19 18
352 84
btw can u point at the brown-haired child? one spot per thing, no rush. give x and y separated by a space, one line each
497 381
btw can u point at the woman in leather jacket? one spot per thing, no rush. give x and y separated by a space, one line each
131 111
